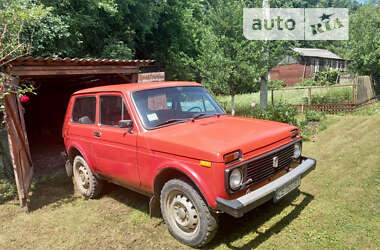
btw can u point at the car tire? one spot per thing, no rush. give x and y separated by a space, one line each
186 214
87 183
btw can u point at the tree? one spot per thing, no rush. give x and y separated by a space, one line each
96 28
227 62
177 32
364 43
14 15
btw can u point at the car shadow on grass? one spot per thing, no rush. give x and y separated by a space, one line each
232 229
51 191
128 197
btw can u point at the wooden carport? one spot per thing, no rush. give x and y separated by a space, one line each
56 79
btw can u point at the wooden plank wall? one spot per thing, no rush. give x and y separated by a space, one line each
19 147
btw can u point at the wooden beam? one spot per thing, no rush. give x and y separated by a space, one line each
304 71
125 78
72 70
135 77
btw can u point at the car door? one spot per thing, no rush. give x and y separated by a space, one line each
116 154
83 125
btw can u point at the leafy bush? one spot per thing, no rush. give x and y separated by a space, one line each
276 84
281 112
334 96
7 190
7 180
308 82
313 116
321 78
327 78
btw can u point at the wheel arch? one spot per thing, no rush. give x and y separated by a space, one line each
75 150
169 173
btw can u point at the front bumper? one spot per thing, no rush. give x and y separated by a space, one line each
238 207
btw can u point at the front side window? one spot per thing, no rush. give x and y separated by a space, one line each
84 110
164 106
112 110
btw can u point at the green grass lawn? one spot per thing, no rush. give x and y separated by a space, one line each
337 206
288 96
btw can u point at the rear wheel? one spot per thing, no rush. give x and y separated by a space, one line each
88 184
186 214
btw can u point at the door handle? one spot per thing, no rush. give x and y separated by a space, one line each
97 134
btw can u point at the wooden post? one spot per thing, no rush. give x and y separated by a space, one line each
309 96
134 77
304 70
354 93
19 146
272 91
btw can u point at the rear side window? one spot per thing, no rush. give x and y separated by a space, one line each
84 110
112 110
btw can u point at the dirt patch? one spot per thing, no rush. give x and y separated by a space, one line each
47 160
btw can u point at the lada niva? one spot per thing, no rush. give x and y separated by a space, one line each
172 142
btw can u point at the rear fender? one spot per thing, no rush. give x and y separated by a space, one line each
84 154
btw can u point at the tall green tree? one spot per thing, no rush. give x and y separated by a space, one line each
14 16
96 28
177 32
227 62
364 44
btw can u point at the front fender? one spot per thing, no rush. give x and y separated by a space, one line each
200 176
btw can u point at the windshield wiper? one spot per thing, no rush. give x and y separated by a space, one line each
170 121
203 115
198 116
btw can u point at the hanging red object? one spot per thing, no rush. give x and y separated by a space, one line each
24 99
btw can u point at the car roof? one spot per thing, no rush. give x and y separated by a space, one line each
131 87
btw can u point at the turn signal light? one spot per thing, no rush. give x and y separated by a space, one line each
230 157
205 163
294 133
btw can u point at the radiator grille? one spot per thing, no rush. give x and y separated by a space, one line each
262 168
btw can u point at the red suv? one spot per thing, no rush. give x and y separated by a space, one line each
174 143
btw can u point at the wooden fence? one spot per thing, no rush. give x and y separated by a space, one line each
362 93
329 108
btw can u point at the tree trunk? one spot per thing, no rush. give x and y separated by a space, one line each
264 92
232 104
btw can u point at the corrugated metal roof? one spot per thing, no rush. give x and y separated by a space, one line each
323 53
76 61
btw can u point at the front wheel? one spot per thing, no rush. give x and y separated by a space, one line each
88 184
186 214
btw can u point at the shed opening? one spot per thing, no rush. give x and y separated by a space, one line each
35 126
44 115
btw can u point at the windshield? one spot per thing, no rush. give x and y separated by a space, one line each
164 106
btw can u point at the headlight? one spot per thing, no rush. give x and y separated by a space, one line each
297 150
236 178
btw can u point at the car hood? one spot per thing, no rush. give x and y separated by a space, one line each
210 138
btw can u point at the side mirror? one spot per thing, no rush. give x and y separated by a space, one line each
126 124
